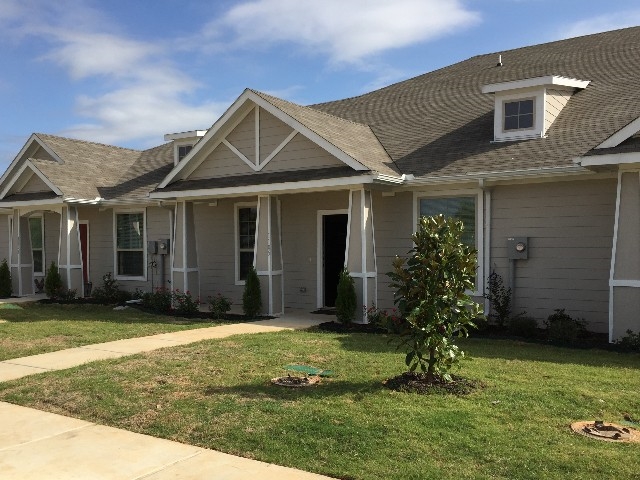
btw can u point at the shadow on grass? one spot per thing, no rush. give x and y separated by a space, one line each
327 388
540 352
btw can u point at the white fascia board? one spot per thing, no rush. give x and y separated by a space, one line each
611 159
34 169
235 106
30 203
248 95
380 177
183 135
268 188
535 82
621 135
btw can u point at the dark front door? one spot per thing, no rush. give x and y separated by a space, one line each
334 242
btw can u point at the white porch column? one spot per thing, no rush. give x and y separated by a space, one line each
69 254
624 279
21 262
360 255
268 259
185 275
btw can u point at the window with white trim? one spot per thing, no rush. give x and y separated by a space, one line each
459 208
518 115
183 151
36 230
130 244
246 220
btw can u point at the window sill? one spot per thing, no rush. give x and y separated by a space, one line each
125 278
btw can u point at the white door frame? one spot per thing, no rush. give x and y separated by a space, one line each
319 252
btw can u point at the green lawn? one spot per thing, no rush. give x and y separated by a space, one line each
217 394
36 328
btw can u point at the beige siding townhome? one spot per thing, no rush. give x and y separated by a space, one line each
538 155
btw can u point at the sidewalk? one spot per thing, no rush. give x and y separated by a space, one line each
40 445
21 367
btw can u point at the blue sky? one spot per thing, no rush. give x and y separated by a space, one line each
125 72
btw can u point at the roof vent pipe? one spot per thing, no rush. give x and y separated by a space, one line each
499 61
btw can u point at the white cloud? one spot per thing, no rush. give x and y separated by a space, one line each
141 94
601 23
346 31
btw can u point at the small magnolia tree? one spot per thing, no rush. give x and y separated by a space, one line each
431 288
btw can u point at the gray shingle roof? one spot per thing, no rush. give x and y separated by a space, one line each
90 170
355 139
440 123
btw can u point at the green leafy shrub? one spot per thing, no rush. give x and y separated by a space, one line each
346 299
184 303
563 328
523 326
109 292
630 342
53 286
252 296
499 298
159 300
431 288
6 289
67 294
219 305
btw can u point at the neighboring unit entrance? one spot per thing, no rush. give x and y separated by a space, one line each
334 242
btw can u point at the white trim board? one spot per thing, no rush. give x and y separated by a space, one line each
220 129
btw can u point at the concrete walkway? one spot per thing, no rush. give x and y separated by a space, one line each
38 445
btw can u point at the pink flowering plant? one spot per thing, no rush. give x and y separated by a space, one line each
184 303
389 320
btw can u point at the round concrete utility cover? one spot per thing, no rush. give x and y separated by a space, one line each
609 432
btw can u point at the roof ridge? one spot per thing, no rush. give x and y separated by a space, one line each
77 140
311 108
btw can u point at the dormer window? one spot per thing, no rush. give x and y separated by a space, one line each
183 143
183 150
518 115
526 109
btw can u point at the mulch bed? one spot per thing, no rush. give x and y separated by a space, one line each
198 316
336 327
417 382
295 382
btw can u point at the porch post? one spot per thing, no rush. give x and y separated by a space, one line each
360 255
21 262
268 259
69 254
624 278
185 275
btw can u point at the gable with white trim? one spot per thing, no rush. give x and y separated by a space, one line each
262 143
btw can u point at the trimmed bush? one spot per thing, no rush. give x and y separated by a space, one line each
563 328
6 289
630 342
158 301
252 296
53 286
219 305
346 300
109 292
526 327
184 303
